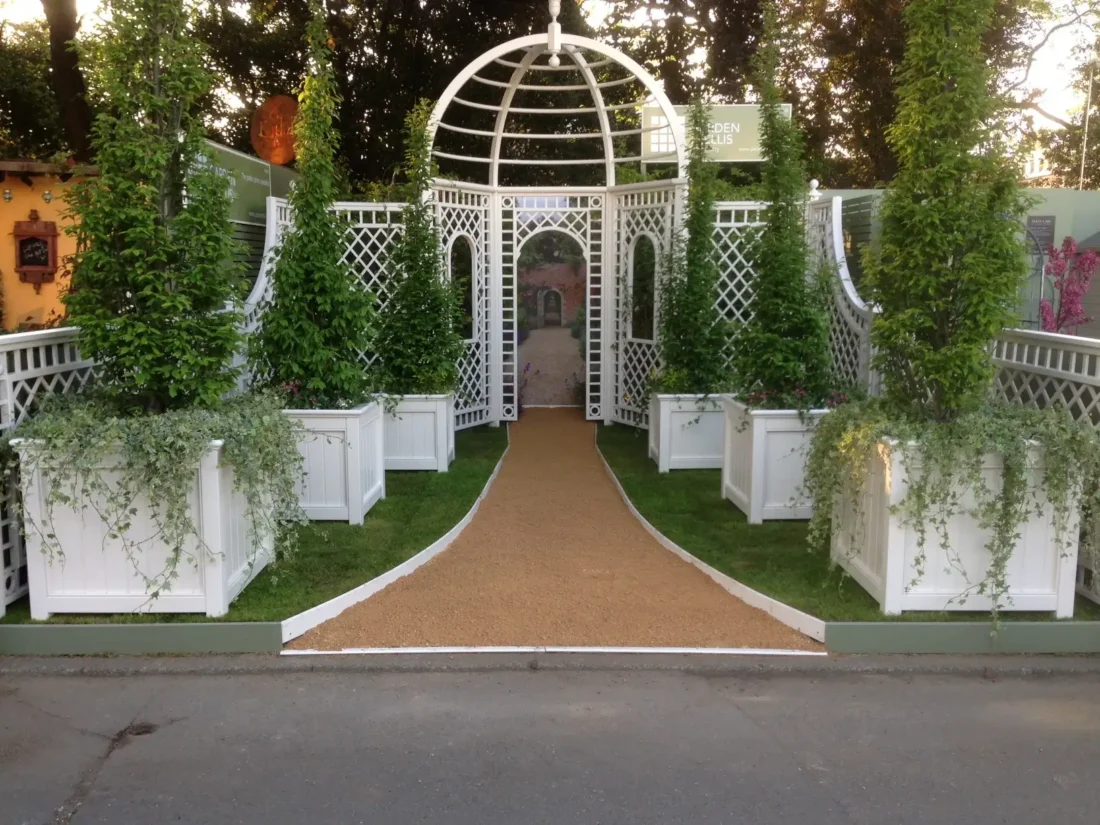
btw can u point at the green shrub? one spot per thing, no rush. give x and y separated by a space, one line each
948 272
153 274
318 325
781 355
418 344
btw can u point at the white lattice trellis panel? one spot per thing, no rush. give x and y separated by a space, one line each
849 317
650 213
736 227
581 216
32 364
465 215
1041 369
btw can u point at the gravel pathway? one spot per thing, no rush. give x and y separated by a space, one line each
553 557
556 368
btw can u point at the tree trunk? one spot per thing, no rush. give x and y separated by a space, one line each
68 82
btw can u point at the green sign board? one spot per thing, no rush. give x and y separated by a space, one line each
734 133
250 186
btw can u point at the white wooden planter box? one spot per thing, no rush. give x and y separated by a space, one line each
879 551
764 463
686 432
94 574
420 433
343 460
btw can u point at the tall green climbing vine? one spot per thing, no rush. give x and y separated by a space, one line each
781 355
693 335
318 325
419 343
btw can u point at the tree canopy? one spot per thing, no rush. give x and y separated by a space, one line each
839 70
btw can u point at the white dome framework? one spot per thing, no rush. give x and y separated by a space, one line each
548 69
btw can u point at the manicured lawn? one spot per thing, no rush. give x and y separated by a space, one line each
687 506
334 558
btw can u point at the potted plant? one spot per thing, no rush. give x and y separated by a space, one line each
934 497
153 493
317 323
781 363
418 344
686 423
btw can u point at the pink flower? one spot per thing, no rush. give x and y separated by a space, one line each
1071 273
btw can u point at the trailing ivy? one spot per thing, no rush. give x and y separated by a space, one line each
782 353
153 274
318 325
418 344
693 335
945 280
74 439
1046 455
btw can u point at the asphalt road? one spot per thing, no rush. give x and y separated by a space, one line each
549 747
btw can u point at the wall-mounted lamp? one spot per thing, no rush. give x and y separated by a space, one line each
47 196
8 196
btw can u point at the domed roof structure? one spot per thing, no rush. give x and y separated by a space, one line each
551 100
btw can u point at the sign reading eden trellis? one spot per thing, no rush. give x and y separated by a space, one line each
734 133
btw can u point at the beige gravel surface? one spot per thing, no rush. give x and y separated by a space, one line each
553 557
551 359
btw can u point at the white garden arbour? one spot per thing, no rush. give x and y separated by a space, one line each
497 219
547 67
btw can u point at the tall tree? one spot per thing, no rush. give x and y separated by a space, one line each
67 79
318 325
948 272
1063 146
151 277
30 126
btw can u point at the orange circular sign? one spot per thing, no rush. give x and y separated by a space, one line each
273 129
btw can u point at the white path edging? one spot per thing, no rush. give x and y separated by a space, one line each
412 651
300 624
795 619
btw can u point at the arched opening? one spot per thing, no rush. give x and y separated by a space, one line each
550 308
551 293
643 289
461 266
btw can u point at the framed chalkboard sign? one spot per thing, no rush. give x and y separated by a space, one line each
35 250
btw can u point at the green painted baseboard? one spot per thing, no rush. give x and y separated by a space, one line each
136 639
962 637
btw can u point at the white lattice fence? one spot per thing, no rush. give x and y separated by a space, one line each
1042 369
464 217
736 228
849 316
32 364
645 212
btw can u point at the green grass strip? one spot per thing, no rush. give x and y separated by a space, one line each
334 558
687 507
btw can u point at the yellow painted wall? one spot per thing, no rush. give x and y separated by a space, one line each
22 305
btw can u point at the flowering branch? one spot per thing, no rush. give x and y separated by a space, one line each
1071 271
